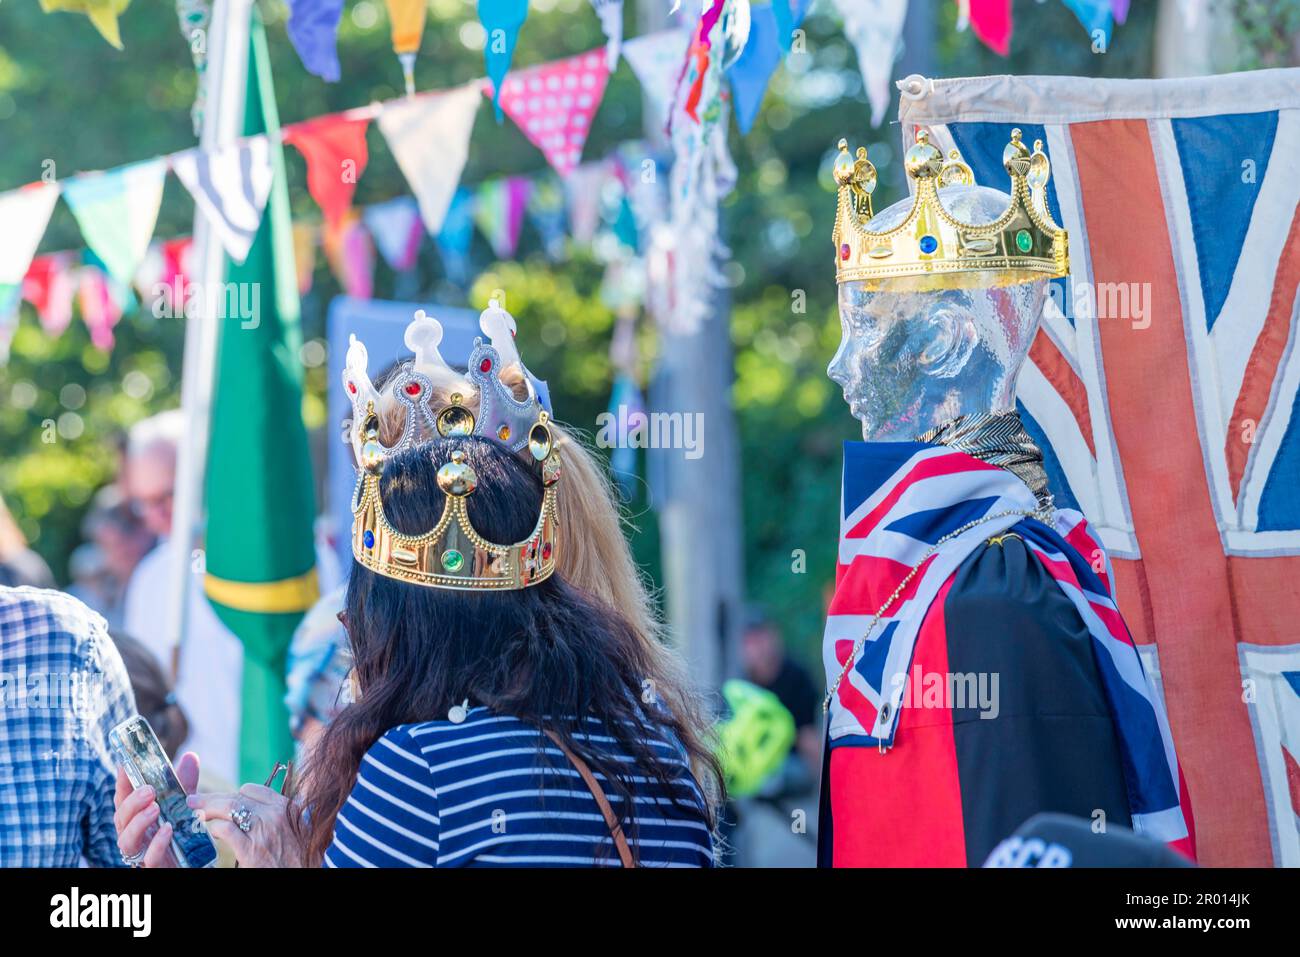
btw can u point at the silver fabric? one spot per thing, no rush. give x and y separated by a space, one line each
1000 439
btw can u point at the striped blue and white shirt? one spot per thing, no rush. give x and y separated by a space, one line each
495 791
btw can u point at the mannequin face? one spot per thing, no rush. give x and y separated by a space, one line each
909 361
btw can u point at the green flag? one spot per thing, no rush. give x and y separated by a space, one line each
261 560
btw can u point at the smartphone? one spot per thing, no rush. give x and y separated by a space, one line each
137 750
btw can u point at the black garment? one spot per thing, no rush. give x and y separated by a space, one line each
1052 746
793 686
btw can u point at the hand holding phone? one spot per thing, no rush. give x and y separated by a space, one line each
137 750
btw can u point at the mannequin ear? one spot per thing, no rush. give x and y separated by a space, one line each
951 337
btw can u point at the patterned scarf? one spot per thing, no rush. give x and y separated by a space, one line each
1000 439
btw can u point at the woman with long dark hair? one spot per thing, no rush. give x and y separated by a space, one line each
502 717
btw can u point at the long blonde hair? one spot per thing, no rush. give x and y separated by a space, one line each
594 554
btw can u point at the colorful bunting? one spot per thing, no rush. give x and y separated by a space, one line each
499 206
1095 15
991 21
194 16
313 31
1120 10
335 150
351 255
455 237
102 13
230 185
427 126
546 210
305 236
502 20
24 214
610 13
554 104
101 305
583 191
407 19
874 28
397 230
656 59
49 287
117 211
753 69
786 20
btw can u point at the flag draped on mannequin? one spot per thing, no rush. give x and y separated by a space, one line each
261 572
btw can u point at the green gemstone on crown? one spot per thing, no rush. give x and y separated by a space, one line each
452 560
1024 241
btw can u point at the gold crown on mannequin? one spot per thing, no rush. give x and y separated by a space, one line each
931 248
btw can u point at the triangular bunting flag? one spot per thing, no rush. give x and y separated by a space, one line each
991 21
554 103
502 20
786 20
499 212
656 59
546 210
101 305
305 236
102 13
351 255
1095 15
117 211
24 214
230 186
397 230
753 68
313 31
335 150
874 28
1120 10
428 126
49 287
583 191
455 237
407 19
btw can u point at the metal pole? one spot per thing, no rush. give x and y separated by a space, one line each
699 499
223 120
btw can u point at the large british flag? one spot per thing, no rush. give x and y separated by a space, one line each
1165 393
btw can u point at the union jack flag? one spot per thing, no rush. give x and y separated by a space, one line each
1164 392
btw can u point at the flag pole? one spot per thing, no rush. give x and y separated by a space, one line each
223 118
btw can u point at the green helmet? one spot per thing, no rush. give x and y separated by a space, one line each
755 738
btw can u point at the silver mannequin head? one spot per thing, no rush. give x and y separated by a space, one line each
910 360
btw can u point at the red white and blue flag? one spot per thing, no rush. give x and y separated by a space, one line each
900 499
1164 392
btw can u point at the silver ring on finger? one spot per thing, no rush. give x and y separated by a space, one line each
133 860
242 816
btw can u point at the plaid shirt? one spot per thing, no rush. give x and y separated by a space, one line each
62 688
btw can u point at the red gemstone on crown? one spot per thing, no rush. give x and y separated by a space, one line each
352 387
412 388
485 365
844 251
546 552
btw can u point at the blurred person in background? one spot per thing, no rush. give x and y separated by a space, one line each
320 661
210 675
766 663
116 542
19 565
63 687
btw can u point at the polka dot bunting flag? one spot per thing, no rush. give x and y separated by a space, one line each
554 104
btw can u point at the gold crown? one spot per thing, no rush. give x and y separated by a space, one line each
1021 245
452 554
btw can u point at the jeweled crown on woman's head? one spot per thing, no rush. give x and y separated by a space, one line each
452 554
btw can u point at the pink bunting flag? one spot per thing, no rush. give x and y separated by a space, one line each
499 212
991 21
100 309
554 104
49 287
351 255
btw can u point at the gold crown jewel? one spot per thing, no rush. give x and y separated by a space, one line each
933 248
451 554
